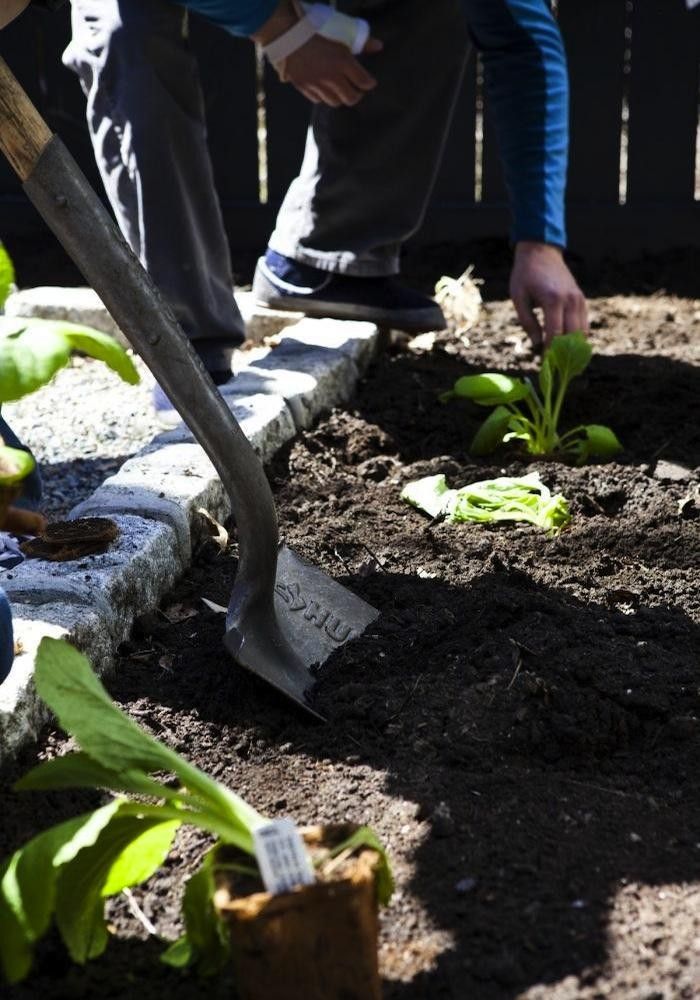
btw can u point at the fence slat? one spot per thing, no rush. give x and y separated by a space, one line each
594 35
663 101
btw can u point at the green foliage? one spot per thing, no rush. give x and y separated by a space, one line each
504 499
7 275
15 465
535 421
365 837
65 873
33 350
205 934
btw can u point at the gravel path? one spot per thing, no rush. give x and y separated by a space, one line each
82 427
86 423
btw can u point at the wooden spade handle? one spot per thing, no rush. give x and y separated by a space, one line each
23 132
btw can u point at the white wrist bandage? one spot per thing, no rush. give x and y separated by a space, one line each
320 19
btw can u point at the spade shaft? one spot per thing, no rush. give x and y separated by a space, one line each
284 615
58 189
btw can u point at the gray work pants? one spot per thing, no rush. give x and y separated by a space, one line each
368 171
146 118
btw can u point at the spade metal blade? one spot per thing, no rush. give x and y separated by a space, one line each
313 617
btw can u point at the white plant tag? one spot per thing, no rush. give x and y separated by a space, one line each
281 856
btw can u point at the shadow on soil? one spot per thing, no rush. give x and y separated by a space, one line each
547 743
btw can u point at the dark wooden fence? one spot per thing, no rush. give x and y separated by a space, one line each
633 178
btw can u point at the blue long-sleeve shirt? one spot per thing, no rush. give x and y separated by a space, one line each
527 82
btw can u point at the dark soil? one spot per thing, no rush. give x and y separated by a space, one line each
520 725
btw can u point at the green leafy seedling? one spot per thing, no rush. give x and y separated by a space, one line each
522 413
64 874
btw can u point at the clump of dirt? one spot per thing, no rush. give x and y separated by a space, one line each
520 725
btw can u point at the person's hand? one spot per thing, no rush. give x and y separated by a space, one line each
540 278
9 9
328 73
324 71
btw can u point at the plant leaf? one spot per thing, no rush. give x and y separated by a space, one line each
78 770
490 389
591 439
366 837
66 682
179 954
15 465
206 933
33 350
492 432
96 345
7 275
28 361
28 886
545 378
429 494
79 908
15 949
141 858
569 355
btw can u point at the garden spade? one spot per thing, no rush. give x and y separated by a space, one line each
284 616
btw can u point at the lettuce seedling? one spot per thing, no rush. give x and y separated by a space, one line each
504 499
65 873
523 414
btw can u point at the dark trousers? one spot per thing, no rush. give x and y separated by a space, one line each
367 172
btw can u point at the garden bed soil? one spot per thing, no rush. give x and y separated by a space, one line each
520 725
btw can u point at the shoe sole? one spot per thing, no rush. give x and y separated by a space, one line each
410 321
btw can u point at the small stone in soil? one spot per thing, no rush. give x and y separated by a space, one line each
441 821
465 885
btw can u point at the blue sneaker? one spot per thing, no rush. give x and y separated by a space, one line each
283 283
7 638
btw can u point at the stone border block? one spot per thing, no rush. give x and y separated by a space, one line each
113 500
358 341
264 418
74 305
22 713
127 580
310 379
83 305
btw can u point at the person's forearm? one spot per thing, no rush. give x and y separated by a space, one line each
283 18
527 84
9 9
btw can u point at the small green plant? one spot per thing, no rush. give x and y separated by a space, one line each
523 414
32 351
504 499
65 873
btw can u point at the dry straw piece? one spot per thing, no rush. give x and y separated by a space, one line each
460 300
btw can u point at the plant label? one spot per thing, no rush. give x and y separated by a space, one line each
281 856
